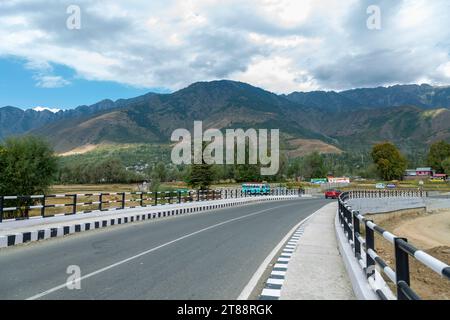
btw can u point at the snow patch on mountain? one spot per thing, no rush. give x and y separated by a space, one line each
39 109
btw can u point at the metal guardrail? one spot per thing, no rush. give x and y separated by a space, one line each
355 194
18 207
365 252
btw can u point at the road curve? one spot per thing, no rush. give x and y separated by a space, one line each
209 255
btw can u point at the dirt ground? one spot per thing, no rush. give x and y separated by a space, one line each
427 231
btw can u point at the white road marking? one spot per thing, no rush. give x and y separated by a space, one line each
271 292
278 273
275 281
248 289
62 286
284 259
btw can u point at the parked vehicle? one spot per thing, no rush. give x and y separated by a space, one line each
332 194
256 188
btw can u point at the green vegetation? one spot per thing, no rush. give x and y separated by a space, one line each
389 162
129 155
109 170
27 166
446 166
200 176
438 154
308 167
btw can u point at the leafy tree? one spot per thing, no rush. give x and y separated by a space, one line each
247 173
314 166
446 166
439 151
389 161
28 166
200 176
160 172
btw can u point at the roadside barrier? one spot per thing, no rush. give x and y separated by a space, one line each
26 207
365 252
356 194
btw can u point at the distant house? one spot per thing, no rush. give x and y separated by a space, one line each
424 172
419 173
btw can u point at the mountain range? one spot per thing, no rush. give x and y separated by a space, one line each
412 116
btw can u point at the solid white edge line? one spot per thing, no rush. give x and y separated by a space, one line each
47 292
251 285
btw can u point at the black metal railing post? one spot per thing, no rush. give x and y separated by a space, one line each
350 221
123 200
170 197
74 204
179 196
1 208
43 207
370 244
356 234
401 268
141 199
198 195
156 197
100 202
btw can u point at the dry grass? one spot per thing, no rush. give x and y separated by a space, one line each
302 147
429 232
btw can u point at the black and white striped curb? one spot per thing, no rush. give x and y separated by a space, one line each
272 288
73 227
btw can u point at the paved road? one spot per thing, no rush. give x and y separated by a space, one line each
203 256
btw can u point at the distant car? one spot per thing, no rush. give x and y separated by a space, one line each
391 186
380 186
332 194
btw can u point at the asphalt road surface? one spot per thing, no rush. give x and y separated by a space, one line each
209 255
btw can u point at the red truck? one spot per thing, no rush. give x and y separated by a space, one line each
332 194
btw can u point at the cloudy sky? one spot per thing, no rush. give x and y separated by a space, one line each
128 47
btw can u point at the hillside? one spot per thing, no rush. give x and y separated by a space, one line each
152 119
413 116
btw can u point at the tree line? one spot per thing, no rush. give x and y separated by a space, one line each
28 165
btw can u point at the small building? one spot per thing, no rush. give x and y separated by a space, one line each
424 172
419 173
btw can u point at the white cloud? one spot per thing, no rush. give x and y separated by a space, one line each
51 81
282 45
